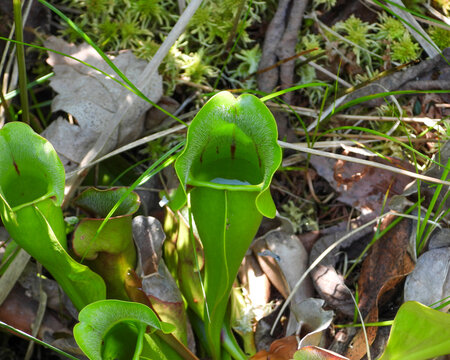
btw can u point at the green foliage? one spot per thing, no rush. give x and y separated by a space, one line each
302 217
418 333
307 73
113 329
328 4
248 65
195 67
112 255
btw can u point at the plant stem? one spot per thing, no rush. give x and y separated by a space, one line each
21 61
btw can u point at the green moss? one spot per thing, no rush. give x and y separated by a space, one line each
309 42
328 4
359 33
440 36
390 28
108 32
405 49
195 67
142 25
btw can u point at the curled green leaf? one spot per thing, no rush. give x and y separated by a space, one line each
115 329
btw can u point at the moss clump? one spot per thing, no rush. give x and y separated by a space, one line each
440 36
405 49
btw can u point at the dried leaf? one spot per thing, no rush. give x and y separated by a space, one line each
93 99
311 315
284 259
362 186
327 281
281 349
157 283
19 310
430 280
256 283
287 258
148 237
386 265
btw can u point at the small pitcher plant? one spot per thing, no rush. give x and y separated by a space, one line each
226 168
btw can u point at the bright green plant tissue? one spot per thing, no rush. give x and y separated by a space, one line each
227 165
112 253
418 333
122 330
31 192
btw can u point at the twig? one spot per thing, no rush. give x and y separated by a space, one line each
364 162
268 80
286 48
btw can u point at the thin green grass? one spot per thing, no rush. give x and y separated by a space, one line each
422 231
32 338
387 137
20 52
32 84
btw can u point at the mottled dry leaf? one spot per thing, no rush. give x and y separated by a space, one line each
93 99
387 263
157 282
362 186
281 349
149 238
284 259
256 283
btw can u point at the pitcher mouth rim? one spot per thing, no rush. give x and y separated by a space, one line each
231 187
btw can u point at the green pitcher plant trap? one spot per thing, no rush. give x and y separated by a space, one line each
225 169
31 193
